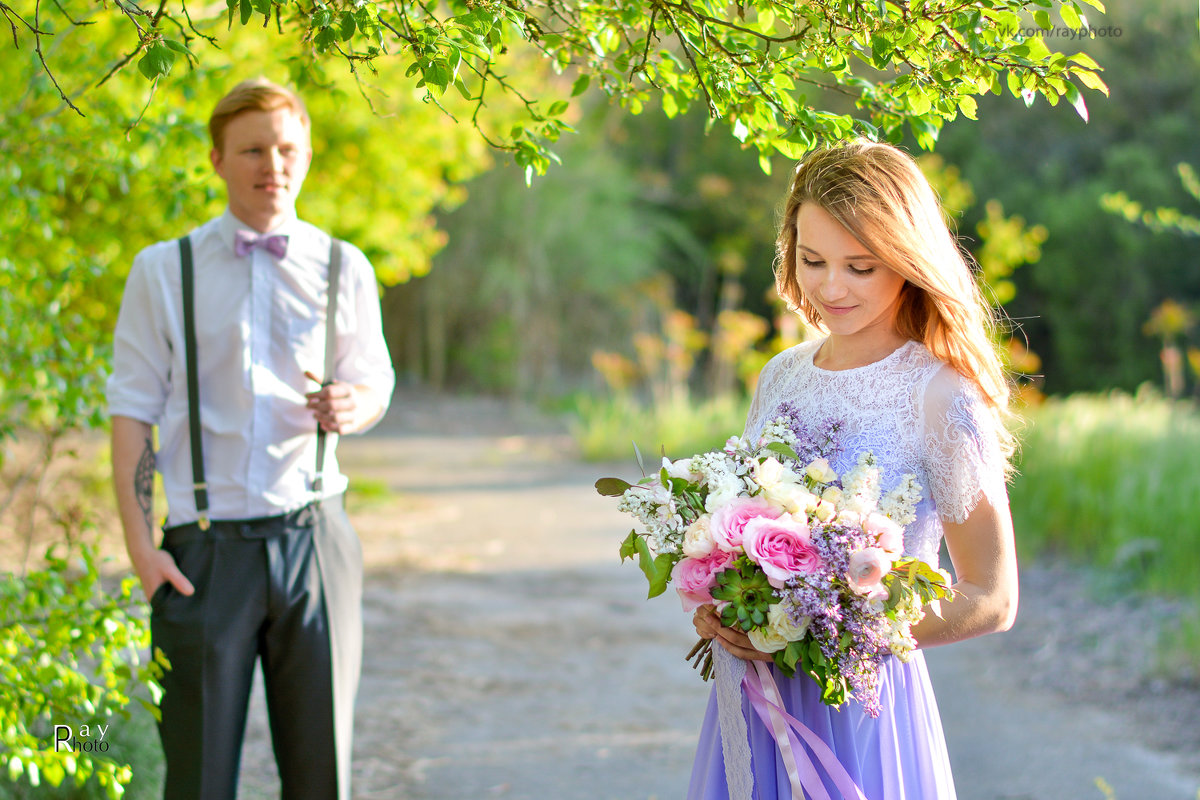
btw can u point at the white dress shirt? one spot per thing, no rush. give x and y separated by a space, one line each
260 324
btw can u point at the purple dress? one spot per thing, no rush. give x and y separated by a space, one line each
918 416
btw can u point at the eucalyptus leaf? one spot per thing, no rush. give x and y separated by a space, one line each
612 487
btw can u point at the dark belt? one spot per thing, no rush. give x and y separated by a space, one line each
253 528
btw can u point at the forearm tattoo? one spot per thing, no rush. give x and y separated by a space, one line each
143 483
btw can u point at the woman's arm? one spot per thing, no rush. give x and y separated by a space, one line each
984 555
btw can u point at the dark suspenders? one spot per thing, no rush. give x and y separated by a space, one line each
199 487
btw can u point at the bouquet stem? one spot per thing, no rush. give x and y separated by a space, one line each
702 658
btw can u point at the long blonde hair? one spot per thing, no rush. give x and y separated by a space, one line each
878 193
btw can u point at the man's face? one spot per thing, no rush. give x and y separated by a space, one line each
263 163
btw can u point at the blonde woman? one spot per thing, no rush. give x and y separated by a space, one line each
908 367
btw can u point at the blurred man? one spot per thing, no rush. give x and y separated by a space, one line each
251 343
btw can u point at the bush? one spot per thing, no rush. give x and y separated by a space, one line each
71 666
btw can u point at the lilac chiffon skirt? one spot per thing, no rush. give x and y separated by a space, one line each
901 755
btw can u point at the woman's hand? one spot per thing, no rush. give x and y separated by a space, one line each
708 626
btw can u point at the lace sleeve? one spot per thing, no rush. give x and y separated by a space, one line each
961 447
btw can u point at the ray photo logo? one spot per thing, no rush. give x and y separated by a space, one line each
84 739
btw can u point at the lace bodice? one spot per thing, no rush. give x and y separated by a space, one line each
914 412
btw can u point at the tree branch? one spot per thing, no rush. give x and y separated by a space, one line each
687 51
37 46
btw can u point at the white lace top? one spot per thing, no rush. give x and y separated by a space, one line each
914 412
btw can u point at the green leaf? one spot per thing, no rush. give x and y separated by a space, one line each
968 106
157 61
581 85
656 569
629 546
178 47
612 487
326 38
1092 81
1070 16
347 25
247 8
1076 99
783 450
638 454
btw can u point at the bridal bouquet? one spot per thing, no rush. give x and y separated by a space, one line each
808 563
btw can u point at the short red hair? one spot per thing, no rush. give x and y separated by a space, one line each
256 94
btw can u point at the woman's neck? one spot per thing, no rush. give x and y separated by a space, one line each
849 352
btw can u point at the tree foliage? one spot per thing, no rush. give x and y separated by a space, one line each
783 75
1083 305
70 654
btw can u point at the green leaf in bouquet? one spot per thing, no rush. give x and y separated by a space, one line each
629 546
638 455
787 658
783 450
612 487
656 569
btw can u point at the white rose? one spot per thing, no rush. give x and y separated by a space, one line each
824 511
768 472
781 623
722 492
820 471
767 640
851 519
792 498
697 539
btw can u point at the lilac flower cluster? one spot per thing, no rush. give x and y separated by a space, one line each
833 613
812 441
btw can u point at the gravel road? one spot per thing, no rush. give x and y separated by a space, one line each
510 655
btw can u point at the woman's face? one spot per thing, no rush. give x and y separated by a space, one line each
851 289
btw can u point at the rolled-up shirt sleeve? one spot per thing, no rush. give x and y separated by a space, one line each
362 353
142 351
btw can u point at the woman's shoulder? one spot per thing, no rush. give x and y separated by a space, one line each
787 361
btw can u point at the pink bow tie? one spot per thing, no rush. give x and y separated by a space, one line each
245 241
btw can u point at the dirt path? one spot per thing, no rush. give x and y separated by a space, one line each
509 655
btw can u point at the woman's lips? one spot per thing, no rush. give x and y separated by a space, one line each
837 311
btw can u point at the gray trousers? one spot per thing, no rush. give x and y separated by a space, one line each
286 590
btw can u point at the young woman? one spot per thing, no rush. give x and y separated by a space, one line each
908 367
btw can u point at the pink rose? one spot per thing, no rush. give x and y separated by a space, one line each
867 568
695 577
729 521
781 547
887 532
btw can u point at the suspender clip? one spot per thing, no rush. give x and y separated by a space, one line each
203 522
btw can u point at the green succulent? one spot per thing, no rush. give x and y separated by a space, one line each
749 594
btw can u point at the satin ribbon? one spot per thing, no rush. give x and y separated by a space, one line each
787 731
245 241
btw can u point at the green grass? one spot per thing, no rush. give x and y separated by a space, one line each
1113 481
606 429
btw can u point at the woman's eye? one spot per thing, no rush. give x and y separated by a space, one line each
862 270
806 262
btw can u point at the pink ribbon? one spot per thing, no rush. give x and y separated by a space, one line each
787 731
